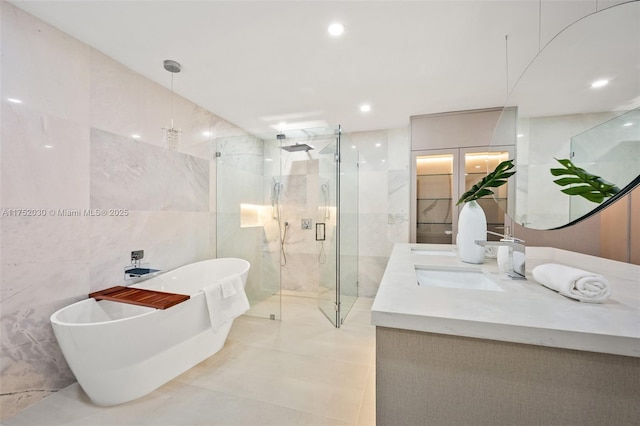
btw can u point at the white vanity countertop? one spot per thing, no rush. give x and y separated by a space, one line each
525 312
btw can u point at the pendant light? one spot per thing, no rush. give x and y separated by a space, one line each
172 135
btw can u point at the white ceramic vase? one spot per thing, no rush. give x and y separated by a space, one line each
472 227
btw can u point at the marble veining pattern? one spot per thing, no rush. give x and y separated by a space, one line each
157 232
134 175
383 215
241 152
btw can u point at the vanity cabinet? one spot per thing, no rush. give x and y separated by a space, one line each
515 354
451 152
439 379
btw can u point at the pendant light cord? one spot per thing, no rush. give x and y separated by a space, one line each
172 100
506 60
539 25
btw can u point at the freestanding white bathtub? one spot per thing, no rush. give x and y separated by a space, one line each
119 352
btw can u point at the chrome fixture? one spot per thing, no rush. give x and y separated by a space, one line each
172 135
293 148
517 257
138 272
136 257
326 196
137 269
283 238
276 188
297 147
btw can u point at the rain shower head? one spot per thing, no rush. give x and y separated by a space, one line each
297 147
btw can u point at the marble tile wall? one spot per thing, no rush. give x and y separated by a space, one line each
303 173
67 149
298 174
132 175
383 214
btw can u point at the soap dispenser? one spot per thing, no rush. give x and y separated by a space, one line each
502 258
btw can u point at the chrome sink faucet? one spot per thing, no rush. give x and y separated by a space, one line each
517 258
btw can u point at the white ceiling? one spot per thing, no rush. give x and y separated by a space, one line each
259 63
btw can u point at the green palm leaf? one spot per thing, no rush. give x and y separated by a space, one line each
496 178
585 184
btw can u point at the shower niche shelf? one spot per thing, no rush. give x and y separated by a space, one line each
140 297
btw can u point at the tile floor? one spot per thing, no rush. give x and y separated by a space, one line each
298 371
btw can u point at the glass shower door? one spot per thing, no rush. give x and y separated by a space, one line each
348 179
327 233
338 225
244 219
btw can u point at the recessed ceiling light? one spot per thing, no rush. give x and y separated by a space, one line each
206 134
599 83
520 135
365 108
336 29
48 146
378 145
628 124
14 100
135 136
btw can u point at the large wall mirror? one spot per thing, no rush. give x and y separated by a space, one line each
579 102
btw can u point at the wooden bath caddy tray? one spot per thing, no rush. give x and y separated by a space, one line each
140 296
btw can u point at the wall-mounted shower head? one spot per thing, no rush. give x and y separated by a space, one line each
297 147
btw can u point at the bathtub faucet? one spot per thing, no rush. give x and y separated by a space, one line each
136 257
137 269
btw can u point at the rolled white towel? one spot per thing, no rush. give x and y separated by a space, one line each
575 283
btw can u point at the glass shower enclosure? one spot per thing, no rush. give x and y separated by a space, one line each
288 203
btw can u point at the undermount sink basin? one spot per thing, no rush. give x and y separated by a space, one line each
425 252
468 279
